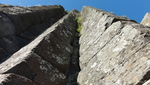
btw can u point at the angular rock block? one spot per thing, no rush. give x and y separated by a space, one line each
113 50
35 68
20 25
46 60
23 18
146 20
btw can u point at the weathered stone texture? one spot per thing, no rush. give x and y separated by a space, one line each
20 25
146 20
13 79
113 50
46 60
147 82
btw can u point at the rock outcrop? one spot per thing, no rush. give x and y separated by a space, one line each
20 25
40 46
146 20
46 60
113 50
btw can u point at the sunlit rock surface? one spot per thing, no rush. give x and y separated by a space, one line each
146 20
113 50
40 46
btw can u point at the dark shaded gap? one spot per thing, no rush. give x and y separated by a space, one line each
74 62
145 78
116 20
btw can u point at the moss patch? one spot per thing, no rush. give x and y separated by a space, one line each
79 26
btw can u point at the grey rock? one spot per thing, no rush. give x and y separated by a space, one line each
3 53
6 26
46 60
37 47
13 79
146 20
9 42
23 17
113 50
147 82
20 25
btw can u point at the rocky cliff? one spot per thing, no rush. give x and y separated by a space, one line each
113 50
36 52
20 25
40 46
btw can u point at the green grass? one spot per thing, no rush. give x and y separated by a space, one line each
79 26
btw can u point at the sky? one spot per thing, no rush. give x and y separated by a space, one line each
133 9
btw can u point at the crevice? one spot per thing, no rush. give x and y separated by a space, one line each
74 62
145 78
117 19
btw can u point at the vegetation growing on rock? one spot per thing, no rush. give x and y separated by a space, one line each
79 26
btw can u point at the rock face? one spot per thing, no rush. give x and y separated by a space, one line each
20 25
13 79
146 20
39 46
113 50
46 60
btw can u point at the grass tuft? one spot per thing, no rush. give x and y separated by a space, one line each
79 26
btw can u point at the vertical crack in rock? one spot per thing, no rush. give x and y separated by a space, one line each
74 59
74 62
